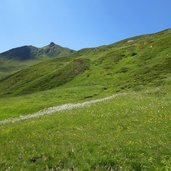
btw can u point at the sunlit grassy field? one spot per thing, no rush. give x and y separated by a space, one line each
130 132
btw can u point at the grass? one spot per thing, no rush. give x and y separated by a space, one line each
22 105
131 132
121 66
8 67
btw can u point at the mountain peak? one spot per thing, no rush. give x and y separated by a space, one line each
52 44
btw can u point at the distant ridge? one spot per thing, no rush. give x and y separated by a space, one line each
22 57
32 52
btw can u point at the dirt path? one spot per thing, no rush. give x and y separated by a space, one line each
54 109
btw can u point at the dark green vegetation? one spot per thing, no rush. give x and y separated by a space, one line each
129 133
22 57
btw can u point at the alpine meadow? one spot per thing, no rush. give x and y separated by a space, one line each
101 107
128 132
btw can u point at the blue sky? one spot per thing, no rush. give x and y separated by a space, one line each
79 23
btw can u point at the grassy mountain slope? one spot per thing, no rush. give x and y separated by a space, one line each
21 57
128 133
132 63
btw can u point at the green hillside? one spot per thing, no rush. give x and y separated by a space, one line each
19 58
130 132
135 63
